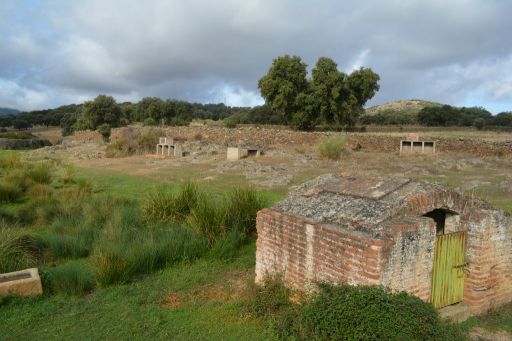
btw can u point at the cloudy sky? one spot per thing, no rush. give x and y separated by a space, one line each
59 51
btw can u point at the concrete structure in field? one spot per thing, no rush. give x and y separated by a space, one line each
407 235
413 146
21 283
243 150
167 146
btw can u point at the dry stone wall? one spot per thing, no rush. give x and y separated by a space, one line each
279 137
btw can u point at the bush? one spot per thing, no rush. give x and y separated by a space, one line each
136 143
150 122
332 147
121 148
104 130
17 249
364 313
73 278
266 299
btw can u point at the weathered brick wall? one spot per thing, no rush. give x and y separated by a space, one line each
488 282
306 253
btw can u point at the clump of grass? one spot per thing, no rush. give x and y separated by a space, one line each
71 245
17 249
241 207
11 161
68 174
41 192
207 219
18 178
9 193
165 205
73 278
142 252
39 173
332 147
267 298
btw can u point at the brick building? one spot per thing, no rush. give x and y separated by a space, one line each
408 235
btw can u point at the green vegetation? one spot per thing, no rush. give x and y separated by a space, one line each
134 142
363 313
132 258
119 239
17 249
330 98
332 147
72 278
19 135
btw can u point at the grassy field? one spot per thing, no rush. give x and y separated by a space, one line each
190 301
192 295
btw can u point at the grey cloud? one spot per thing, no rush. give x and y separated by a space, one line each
455 52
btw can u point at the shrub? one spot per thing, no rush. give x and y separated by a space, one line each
104 130
332 147
73 278
137 143
17 249
363 313
268 298
121 148
150 122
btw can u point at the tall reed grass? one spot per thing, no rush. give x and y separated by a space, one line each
17 249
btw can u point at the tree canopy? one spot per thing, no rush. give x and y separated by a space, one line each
330 97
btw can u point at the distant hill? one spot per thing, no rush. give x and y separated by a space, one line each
8 111
410 107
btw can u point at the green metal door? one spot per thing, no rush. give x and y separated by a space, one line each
448 271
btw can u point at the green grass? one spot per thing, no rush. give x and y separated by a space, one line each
17 249
137 311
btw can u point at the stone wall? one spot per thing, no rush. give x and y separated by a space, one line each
278 137
23 143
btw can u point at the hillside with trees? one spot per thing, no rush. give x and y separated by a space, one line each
8 111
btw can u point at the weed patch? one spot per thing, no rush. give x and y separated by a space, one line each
332 147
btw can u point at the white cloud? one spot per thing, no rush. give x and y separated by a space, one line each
238 97
360 60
